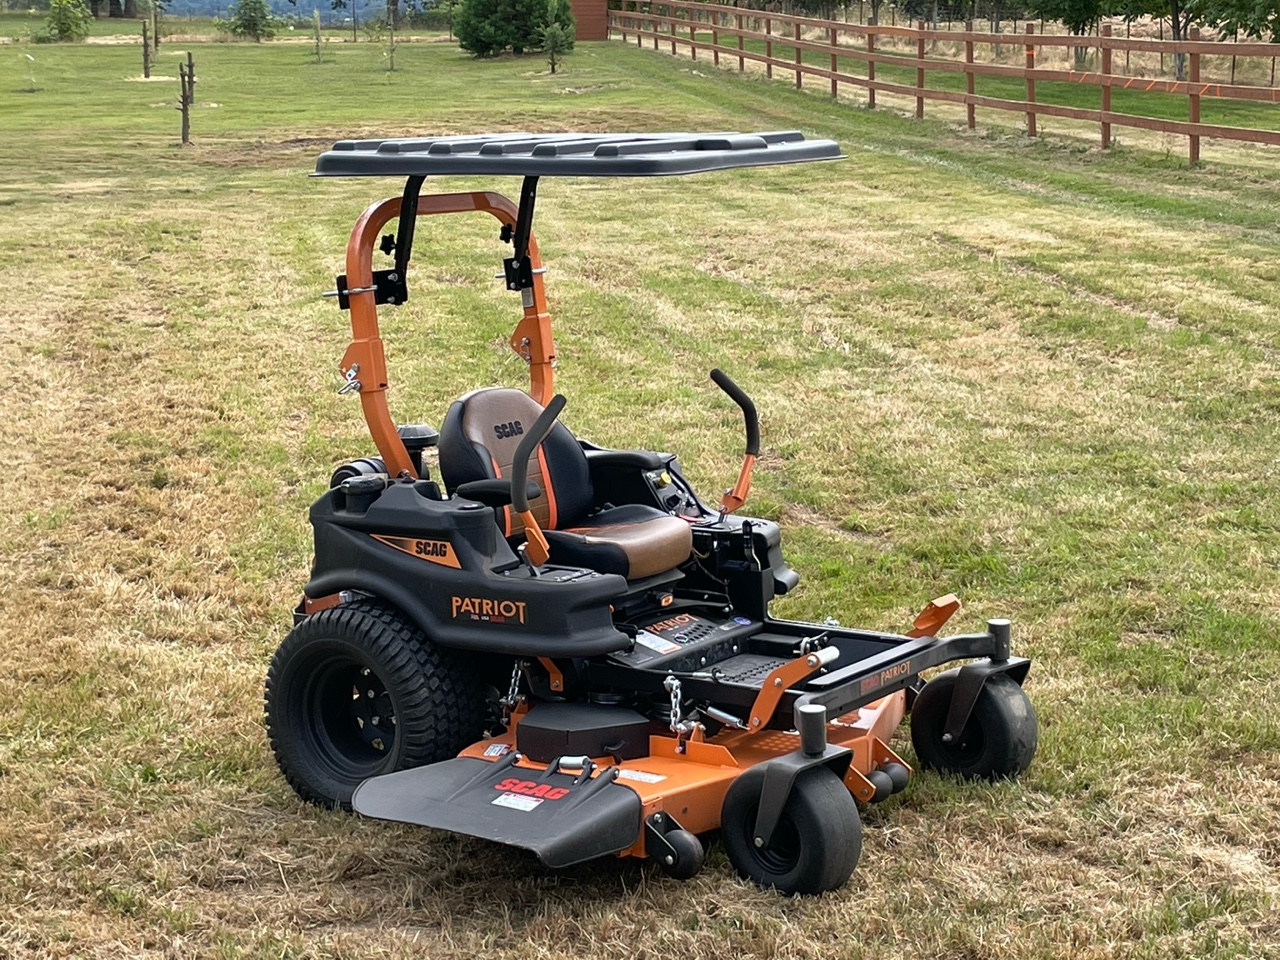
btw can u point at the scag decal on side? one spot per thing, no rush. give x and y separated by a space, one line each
490 611
505 430
528 788
433 551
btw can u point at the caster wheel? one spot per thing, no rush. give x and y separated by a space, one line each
688 858
816 844
998 740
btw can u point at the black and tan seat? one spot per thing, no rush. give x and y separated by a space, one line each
478 441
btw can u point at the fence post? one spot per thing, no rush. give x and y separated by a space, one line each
1031 84
1195 95
968 72
742 63
146 52
693 34
653 25
920 69
768 47
639 32
1106 88
798 64
871 71
835 63
715 39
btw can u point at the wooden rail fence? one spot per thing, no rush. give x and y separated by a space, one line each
683 25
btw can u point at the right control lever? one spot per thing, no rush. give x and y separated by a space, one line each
737 496
536 548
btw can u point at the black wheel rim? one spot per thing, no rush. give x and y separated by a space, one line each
967 749
348 716
782 854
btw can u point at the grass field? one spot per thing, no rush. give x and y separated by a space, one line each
1029 372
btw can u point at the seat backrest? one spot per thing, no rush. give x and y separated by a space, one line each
478 441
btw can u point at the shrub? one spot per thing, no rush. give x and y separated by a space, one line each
68 20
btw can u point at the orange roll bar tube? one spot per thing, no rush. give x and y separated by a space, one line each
532 338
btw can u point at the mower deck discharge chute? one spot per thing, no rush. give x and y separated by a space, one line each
562 647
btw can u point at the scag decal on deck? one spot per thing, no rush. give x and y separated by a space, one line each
529 788
490 611
433 551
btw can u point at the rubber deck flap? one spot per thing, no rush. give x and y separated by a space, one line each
561 822
571 154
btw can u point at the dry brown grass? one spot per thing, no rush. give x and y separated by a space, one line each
1042 377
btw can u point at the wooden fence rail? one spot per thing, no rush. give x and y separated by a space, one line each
756 36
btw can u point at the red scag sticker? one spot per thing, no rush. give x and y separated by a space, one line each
528 788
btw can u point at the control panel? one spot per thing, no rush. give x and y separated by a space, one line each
685 641
672 493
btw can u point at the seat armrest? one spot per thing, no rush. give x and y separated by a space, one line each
494 493
633 459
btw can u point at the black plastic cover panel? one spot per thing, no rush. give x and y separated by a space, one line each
582 730
564 822
571 154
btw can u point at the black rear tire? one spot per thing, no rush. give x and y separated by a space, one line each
816 844
999 739
356 691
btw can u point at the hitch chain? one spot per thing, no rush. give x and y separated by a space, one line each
673 687
513 691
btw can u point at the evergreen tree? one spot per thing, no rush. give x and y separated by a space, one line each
252 20
489 27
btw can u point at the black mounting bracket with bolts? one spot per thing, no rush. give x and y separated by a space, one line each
389 286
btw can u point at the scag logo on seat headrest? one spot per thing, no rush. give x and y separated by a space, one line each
528 788
505 430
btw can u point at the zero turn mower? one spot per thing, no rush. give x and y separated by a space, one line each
561 646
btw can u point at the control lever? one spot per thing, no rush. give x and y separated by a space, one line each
536 549
737 496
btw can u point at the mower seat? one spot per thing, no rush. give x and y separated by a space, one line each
478 441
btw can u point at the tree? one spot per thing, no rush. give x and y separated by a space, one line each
252 20
1256 19
488 27
1078 16
449 10
1181 13
68 20
557 36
